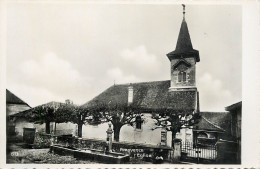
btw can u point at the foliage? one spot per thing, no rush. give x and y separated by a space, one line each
118 115
175 121
42 113
41 141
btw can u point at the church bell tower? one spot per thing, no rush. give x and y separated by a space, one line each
183 61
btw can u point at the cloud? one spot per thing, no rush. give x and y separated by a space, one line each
117 74
140 58
51 70
53 77
137 63
34 95
213 94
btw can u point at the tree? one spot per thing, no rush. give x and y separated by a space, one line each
75 114
118 115
174 121
43 113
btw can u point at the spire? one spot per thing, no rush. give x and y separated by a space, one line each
184 42
183 11
184 45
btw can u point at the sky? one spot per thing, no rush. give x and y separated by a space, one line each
59 51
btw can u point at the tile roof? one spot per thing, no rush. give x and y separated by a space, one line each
214 121
147 95
13 99
237 105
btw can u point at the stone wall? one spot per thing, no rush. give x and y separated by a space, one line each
191 74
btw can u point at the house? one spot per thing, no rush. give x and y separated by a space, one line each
32 119
235 110
14 105
234 145
211 127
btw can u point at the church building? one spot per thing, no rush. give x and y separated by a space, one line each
179 94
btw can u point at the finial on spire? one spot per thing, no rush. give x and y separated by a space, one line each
183 11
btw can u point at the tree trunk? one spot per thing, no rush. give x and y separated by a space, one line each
80 130
47 127
55 129
173 137
116 129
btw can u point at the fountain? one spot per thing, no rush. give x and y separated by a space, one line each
104 156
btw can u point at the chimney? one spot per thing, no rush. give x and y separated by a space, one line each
130 94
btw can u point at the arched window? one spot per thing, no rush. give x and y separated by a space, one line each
181 76
184 76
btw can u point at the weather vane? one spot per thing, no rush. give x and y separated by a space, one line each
183 11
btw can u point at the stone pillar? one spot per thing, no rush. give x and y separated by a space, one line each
79 143
176 150
164 136
55 140
52 138
109 138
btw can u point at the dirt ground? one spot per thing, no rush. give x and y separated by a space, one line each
18 153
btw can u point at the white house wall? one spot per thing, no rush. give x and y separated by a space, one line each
129 133
23 123
185 134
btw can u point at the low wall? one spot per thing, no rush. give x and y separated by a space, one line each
144 152
93 155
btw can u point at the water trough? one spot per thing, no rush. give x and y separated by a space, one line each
91 154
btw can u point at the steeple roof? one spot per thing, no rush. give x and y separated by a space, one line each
184 46
184 42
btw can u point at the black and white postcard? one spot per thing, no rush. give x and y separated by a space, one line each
150 82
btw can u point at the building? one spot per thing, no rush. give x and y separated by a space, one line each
25 119
179 94
14 105
212 127
236 112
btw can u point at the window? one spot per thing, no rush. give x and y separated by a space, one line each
181 76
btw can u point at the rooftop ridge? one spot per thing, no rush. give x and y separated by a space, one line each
214 112
124 84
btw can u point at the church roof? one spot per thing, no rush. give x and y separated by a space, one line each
214 121
13 99
147 95
184 46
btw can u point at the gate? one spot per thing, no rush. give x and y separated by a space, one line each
204 154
